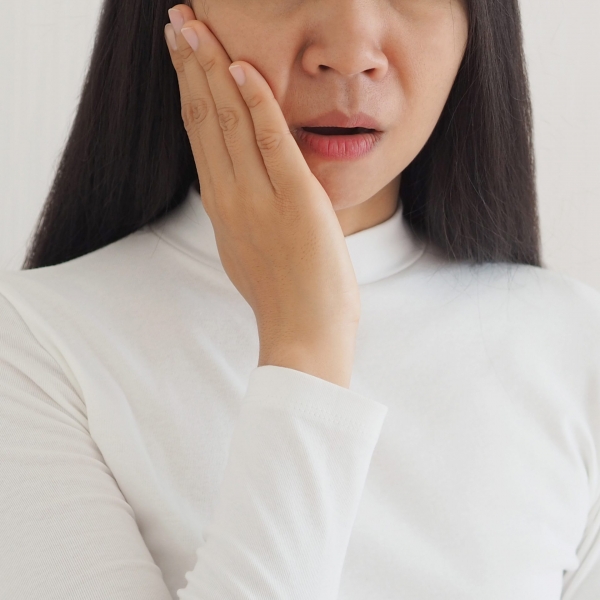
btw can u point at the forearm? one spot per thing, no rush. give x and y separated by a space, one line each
298 460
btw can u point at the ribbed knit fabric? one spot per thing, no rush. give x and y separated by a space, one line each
145 456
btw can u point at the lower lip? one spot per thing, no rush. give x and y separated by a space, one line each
339 147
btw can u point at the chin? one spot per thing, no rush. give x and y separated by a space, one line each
342 187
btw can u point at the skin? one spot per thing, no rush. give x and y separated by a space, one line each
395 60
280 216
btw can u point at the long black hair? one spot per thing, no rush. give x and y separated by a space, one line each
128 161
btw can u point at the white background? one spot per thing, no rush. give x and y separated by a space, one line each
44 51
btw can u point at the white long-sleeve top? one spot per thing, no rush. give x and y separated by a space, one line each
145 456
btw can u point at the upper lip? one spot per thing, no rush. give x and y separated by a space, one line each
335 118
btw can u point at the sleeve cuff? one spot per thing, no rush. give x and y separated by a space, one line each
272 386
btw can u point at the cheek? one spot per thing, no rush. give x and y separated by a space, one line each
427 58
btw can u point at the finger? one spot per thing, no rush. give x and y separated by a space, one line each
284 161
206 183
200 117
237 127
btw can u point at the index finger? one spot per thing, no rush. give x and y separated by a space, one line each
236 131
282 156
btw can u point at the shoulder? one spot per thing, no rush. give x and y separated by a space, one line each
545 291
66 307
525 289
541 311
49 316
525 310
104 277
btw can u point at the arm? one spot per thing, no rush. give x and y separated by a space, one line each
66 531
299 457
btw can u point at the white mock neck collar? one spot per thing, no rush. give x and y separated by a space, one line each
377 252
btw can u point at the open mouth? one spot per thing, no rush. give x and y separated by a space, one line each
338 143
338 130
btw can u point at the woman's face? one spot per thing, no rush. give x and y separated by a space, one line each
395 60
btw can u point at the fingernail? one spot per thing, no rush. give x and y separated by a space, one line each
238 74
190 36
170 35
176 19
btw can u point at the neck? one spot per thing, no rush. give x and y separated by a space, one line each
377 209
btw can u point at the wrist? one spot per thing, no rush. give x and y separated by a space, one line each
331 360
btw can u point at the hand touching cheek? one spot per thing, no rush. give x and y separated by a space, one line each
277 233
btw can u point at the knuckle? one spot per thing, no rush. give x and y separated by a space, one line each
186 53
268 141
228 119
253 100
179 68
208 63
194 114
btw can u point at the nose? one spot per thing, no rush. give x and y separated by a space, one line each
347 38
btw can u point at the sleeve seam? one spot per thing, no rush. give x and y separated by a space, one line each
46 351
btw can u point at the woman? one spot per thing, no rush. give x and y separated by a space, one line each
144 452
